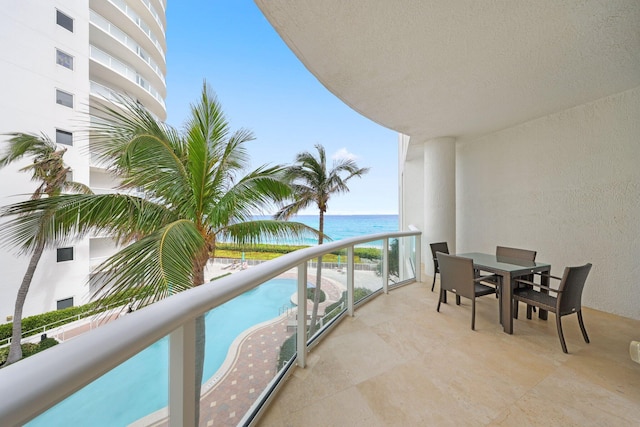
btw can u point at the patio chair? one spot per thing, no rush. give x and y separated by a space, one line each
523 254
435 248
517 254
457 275
567 301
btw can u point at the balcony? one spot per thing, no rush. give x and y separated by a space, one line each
399 362
164 335
387 359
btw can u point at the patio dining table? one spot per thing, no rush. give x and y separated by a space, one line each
509 269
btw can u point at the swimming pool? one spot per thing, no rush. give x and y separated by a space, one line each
139 386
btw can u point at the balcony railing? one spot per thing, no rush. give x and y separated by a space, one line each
124 8
111 29
55 375
124 70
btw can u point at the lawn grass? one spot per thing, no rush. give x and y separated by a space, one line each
265 252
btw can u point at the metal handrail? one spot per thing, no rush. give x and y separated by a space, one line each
64 369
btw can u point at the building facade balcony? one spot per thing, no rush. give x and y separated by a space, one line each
106 35
107 68
132 23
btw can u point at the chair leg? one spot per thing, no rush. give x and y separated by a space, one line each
560 334
529 311
515 308
473 314
582 328
457 299
442 291
433 285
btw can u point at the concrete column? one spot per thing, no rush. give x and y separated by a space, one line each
439 196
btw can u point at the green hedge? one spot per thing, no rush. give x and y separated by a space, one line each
358 294
38 321
28 349
311 293
279 249
287 351
361 252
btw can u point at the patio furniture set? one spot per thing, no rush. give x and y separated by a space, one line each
512 278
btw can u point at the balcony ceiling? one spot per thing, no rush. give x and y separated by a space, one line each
463 68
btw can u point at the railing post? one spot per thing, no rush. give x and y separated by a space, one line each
418 260
182 375
350 276
385 265
302 315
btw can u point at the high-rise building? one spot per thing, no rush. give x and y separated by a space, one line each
58 58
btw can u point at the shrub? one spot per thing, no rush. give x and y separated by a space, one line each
66 315
358 294
287 350
311 293
29 349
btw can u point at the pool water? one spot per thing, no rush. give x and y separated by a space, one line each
139 386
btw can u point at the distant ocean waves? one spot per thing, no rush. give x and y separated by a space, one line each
340 227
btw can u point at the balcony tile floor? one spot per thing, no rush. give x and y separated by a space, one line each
400 363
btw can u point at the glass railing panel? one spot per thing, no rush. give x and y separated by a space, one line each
394 261
130 391
406 255
248 340
334 286
367 269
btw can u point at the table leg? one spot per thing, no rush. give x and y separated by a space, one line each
544 280
506 299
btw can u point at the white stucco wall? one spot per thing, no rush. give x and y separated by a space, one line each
566 185
29 77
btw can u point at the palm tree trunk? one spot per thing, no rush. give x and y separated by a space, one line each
316 294
15 351
199 368
200 340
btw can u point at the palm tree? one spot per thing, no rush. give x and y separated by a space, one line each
313 184
49 170
196 193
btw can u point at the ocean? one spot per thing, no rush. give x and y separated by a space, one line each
339 227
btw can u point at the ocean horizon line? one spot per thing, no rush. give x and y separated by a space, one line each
332 214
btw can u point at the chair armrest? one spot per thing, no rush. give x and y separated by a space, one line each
530 283
548 275
481 278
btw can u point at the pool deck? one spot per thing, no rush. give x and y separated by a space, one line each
250 366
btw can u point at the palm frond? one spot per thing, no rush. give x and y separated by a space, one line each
159 265
252 232
75 215
255 191
25 144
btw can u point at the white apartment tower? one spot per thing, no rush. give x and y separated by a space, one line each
57 58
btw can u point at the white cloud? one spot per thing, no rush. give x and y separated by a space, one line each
343 153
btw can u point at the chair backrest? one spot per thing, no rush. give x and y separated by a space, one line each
524 254
571 285
456 274
439 247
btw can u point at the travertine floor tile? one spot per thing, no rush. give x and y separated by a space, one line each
399 362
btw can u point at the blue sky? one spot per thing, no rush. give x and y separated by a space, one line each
263 87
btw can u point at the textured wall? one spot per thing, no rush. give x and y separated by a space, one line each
566 185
